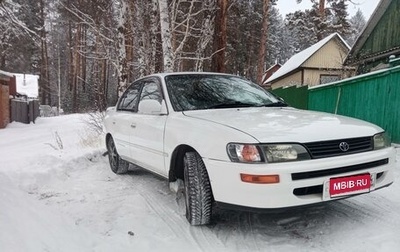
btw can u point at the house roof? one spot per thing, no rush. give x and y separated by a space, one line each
298 59
269 72
368 29
274 65
4 73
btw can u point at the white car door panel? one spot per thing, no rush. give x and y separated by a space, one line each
148 142
147 138
122 124
123 120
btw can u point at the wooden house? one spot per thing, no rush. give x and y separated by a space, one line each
379 40
270 71
319 64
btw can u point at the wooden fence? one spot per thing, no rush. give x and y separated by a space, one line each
373 97
294 96
24 111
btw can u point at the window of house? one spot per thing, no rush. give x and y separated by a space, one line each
326 78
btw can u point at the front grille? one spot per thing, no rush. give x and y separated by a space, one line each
331 148
335 171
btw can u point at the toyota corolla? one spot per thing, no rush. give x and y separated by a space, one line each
224 140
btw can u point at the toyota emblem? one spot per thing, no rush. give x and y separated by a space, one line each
343 146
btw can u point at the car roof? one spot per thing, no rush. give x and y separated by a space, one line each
188 73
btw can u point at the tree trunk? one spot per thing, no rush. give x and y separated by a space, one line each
71 56
121 47
322 9
83 57
98 70
44 66
129 39
263 43
143 36
2 62
205 38
166 36
219 44
153 36
76 67
103 85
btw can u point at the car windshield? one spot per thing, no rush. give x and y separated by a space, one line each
202 91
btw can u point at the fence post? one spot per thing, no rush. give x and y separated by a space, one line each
36 111
30 112
13 110
33 110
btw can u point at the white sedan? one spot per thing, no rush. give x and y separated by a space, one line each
224 140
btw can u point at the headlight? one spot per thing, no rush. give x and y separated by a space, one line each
270 153
381 141
285 152
244 153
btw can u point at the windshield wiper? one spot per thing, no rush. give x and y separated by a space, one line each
235 104
275 104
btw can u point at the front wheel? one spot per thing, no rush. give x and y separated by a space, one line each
117 164
198 194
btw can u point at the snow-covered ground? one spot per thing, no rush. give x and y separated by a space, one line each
57 193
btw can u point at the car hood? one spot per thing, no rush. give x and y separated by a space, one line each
287 124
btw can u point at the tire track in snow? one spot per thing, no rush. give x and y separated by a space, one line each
243 231
176 225
247 232
200 236
363 211
203 234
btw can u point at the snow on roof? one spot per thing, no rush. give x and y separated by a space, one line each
27 84
298 59
6 73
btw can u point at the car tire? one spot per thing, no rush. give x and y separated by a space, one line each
117 164
198 194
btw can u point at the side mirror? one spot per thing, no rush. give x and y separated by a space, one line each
152 107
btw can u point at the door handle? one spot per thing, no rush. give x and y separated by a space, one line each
133 125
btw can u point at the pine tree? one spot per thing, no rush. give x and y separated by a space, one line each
339 18
87 46
220 37
263 41
357 23
20 38
324 18
279 44
301 27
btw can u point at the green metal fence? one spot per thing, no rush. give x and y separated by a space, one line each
374 97
295 96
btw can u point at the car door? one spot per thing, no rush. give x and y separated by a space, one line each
148 135
123 120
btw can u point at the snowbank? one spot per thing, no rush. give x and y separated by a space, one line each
58 193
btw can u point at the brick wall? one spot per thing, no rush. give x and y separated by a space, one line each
4 106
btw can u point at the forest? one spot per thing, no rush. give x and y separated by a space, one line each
87 52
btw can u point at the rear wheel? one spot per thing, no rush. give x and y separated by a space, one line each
117 164
198 194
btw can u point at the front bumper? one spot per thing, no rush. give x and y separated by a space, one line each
301 183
